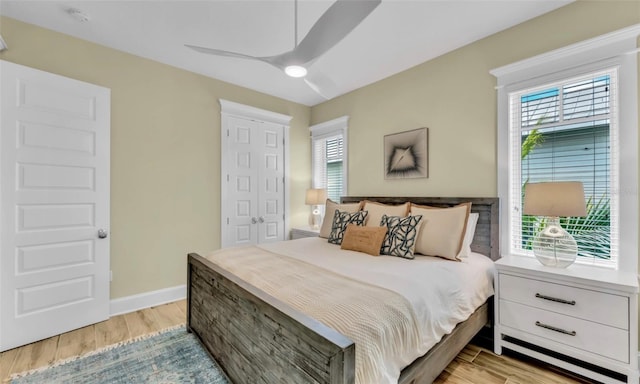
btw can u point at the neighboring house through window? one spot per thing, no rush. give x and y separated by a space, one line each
571 115
329 157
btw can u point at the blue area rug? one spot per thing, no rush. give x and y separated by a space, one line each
171 357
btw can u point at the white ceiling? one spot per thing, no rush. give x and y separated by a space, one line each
397 35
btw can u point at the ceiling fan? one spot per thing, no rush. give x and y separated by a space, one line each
336 23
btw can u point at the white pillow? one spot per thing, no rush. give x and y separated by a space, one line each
468 235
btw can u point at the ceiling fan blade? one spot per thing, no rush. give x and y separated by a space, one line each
219 52
336 23
322 85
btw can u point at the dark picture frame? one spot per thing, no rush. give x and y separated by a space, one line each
406 154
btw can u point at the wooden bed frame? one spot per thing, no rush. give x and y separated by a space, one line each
257 338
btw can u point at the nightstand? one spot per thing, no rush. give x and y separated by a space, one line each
582 318
298 233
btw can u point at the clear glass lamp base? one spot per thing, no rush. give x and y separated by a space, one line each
315 219
555 247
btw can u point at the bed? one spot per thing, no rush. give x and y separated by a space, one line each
257 338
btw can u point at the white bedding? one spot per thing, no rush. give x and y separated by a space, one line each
441 292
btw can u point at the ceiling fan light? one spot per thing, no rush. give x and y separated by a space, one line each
295 71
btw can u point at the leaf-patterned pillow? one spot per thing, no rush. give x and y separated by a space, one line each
401 235
340 221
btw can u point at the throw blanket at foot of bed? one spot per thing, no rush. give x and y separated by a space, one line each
382 323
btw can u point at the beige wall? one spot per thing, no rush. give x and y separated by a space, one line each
165 151
454 95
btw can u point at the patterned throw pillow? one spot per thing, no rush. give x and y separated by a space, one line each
340 221
329 212
401 235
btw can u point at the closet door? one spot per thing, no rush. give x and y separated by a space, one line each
254 205
271 183
241 205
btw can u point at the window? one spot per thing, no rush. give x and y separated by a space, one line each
329 157
571 114
563 132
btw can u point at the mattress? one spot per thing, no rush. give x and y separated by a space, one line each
423 299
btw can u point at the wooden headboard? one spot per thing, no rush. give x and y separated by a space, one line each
486 239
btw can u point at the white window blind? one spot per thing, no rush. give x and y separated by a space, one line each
567 131
328 165
334 153
329 157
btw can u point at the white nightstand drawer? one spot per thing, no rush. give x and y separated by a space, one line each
592 337
586 304
299 233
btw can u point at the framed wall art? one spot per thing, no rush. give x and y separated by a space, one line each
406 154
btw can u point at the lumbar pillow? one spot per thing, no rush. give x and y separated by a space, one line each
442 230
363 239
401 235
376 210
340 221
330 210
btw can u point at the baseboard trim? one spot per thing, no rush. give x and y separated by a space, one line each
145 300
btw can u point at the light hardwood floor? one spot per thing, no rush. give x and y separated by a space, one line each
474 365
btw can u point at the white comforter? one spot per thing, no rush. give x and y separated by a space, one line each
441 293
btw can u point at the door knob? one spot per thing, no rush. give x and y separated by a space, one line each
253 220
261 219
102 233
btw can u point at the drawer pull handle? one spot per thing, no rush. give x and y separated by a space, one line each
563 301
550 327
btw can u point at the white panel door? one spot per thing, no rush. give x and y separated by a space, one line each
271 183
242 182
254 206
54 200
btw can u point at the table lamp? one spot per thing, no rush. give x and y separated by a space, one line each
315 197
553 246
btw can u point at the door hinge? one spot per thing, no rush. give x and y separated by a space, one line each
227 221
227 177
227 133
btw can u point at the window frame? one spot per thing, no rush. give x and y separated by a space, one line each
326 130
617 49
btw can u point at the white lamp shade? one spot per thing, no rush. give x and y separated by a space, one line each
556 199
315 196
